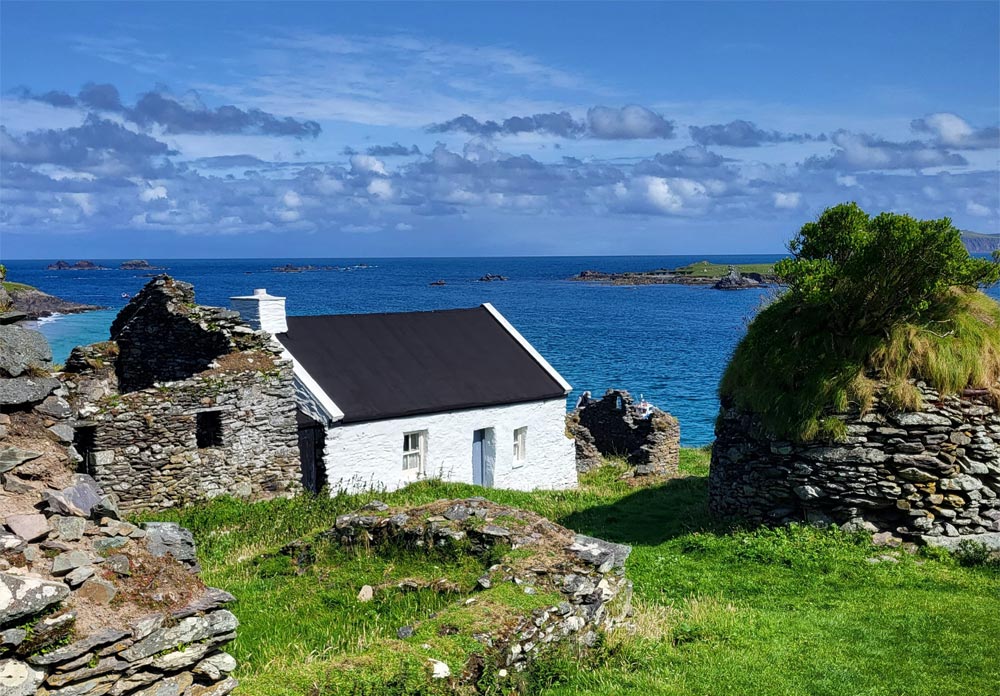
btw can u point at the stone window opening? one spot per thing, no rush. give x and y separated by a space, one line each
85 442
208 429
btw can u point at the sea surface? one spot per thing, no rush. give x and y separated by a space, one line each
669 343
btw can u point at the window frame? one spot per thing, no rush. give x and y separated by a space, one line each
420 452
520 446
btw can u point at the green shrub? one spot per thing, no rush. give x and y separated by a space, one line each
869 300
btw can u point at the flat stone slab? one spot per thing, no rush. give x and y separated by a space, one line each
69 560
601 553
12 457
26 595
28 527
26 390
77 500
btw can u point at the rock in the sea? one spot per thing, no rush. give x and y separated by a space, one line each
735 280
26 595
22 350
26 390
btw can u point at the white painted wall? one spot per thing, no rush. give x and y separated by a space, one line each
364 456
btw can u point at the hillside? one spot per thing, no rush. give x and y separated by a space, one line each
979 243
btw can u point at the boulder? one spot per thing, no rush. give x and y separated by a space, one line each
97 590
78 500
22 596
164 538
26 390
54 407
22 351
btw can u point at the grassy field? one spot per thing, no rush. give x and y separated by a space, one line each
15 287
705 269
718 610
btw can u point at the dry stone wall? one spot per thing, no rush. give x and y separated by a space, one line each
930 476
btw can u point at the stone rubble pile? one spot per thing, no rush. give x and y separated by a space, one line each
589 573
930 476
90 604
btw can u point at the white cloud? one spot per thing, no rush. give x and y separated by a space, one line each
787 200
291 199
977 209
403 227
381 188
153 193
847 180
366 164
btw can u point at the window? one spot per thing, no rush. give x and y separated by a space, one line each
208 429
520 445
414 445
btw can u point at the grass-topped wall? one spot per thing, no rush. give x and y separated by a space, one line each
870 301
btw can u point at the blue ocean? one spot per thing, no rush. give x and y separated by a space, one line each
667 342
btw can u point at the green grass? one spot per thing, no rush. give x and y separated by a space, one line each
718 610
706 269
15 287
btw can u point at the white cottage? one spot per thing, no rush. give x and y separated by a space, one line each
387 399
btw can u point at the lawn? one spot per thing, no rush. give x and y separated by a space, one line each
718 610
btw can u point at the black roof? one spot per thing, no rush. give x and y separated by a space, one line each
376 366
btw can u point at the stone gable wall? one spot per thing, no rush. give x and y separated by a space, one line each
931 476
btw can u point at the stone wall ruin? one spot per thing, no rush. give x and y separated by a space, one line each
613 427
185 403
931 476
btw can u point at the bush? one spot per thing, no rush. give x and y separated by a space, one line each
869 301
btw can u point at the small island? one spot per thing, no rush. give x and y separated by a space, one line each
78 266
140 265
703 273
292 268
493 277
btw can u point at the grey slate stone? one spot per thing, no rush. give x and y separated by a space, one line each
19 679
60 433
12 457
22 596
164 538
69 560
22 350
54 407
78 500
190 630
68 528
26 390
603 554
78 648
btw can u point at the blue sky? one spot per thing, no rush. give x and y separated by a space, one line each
322 129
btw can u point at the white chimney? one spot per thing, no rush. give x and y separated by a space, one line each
261 311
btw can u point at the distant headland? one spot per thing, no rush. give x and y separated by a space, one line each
979 243
702 273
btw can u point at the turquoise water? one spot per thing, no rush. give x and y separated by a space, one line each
668 342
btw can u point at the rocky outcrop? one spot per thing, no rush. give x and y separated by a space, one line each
33 303
931 475
78 266
588 573
492 277
615 426
734 280
23 351
139 265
